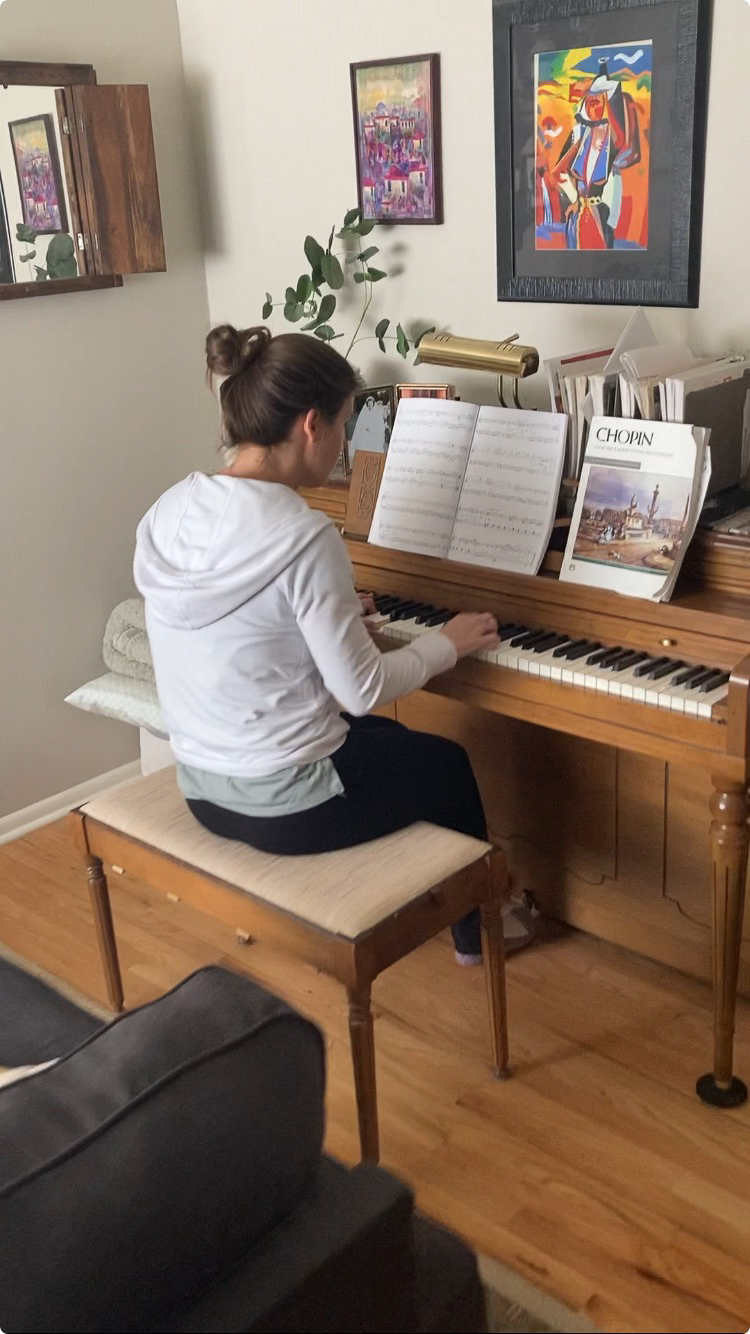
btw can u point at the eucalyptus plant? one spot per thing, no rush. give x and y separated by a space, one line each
61 255
313 298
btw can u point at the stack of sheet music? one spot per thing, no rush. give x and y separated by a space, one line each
642 379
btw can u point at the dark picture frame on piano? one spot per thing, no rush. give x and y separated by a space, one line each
599 188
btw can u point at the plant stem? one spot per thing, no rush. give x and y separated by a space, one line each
368 298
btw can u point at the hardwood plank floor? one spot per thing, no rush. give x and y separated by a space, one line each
594 1172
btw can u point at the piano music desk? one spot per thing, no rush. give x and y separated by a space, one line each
636 873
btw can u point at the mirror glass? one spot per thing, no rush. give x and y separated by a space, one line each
37 241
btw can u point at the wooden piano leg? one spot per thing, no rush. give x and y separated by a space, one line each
729 845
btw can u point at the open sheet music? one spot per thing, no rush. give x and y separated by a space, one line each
471 484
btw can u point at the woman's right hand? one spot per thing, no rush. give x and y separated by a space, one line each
471 632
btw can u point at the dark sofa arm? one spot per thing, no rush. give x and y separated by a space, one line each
343 1261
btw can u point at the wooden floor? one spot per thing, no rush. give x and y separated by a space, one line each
594 1172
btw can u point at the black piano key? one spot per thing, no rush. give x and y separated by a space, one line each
570 646
544 642
510 629
673 665
527 640
383 599
598 658
684 678
651 665
717 679
403 606
628 661
409 613
588 646
610 662
551 641
424 616
702 678
440 618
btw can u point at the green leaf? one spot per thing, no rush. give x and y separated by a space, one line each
291 296
360 277
267 308
26 259
25 233
325 332
332 271
316 278
381 328
381 345
420 336
351 216
327 307
304 287
65 268
375 275
364 228
41 274
60 247
368 253
314 252
293 311
402 342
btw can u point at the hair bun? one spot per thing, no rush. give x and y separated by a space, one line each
230 350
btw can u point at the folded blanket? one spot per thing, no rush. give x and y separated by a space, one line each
126 649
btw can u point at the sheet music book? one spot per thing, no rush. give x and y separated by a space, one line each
471 484
641 491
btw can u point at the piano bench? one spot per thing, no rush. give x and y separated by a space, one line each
350 913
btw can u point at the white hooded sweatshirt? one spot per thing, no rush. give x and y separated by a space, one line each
256 630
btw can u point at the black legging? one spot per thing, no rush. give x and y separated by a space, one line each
391 777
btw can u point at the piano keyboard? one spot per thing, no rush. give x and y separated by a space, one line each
663 682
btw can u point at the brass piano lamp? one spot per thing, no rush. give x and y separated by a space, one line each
482 354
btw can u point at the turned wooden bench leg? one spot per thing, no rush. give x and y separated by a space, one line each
105 931
493 953
363 1059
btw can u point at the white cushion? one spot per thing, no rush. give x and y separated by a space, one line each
345 892
122 697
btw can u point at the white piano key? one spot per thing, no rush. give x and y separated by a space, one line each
706 702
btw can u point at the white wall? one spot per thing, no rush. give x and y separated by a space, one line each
270 99
102 406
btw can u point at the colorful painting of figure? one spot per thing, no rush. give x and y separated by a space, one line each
38 168
397 132
592 147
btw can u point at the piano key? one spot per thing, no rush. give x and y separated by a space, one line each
651 664
668 669
697 682
508 631
683 678
410 605
424 615
550 640
570 645
717 696
586 646
440 618
594 659
628 660
410 613
722 680
527 637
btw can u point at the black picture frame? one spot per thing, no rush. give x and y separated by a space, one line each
531 210
7 271
369 205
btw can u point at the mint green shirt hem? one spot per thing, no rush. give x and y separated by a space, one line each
297 788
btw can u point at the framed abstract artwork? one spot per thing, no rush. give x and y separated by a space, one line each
600 122
396 106
39 177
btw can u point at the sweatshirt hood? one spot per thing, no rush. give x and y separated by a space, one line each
209 544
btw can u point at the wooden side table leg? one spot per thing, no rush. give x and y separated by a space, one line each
493 953
363 1059
105 931
729 846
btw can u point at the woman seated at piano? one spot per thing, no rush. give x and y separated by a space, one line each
265 669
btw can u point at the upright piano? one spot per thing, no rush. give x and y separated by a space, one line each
663 689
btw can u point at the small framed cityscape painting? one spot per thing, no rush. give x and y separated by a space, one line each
396 107
38 170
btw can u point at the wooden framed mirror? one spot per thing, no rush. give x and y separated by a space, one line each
79 194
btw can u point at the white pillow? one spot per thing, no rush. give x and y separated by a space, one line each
122 697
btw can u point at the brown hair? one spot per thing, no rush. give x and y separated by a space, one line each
272 381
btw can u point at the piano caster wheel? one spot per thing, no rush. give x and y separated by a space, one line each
709 1092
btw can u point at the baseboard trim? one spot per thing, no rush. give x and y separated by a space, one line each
55 807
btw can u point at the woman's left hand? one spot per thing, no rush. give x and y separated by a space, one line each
368 604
